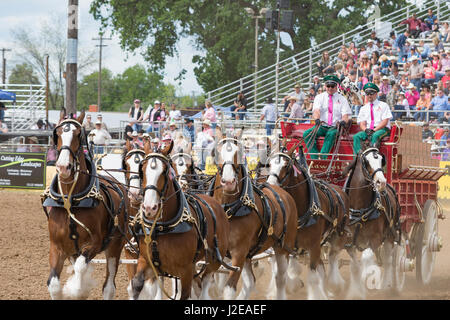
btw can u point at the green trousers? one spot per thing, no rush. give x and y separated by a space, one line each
324 131
376 136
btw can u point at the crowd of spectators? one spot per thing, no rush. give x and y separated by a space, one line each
412 70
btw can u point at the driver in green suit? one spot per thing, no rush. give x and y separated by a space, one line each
330 109
374 119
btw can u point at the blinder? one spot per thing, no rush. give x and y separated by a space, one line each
280 154
141 172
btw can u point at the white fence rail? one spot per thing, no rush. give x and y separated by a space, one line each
29 106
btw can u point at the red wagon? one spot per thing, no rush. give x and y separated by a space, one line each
412 173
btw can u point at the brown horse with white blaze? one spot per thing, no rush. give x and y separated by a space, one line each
176 229
261 217
374 219
87 214
321 209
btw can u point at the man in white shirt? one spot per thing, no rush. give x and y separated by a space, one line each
374 119
174 114
329 110
100 137
270 113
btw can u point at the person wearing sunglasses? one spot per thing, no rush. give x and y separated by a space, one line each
330 109
374 119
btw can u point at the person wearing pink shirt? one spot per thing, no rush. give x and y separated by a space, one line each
412 95
210 114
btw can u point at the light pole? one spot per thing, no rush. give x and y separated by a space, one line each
256 16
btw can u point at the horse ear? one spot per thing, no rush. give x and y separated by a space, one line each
166 151
128 145
62 115
268 146
291 151
147 148
81 116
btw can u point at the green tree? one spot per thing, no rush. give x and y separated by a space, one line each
50 39
23 74
224 31
87 91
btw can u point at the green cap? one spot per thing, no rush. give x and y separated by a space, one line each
371 87
331 78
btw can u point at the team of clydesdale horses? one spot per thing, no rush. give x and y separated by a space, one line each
185 234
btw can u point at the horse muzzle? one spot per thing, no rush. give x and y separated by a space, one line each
229 185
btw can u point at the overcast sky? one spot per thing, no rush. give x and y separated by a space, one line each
31 13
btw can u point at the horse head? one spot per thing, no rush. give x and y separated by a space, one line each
183 165
229 159
131 160
279 165
155 171
67 137
373 161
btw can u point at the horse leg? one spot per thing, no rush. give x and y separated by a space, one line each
56 259
238 260
79 285
271 289
316 275
335 282
281 276
112 254
131 271
248 281
294 271
138 281
388 266
356 289
186 283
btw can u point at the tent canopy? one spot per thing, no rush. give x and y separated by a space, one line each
6 95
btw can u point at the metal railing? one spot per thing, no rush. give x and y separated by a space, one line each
29 106
301 67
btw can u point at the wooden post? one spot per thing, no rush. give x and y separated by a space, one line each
72 57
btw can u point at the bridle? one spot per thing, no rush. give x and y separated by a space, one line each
288 167
228 142
137 159
166 161
366 172
75 163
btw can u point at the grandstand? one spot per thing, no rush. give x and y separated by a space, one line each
301 67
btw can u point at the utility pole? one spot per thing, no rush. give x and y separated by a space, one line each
4 64
99 90
46 90
72 57
256 16
278 55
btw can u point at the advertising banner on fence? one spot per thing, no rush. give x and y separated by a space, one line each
444 181
22 170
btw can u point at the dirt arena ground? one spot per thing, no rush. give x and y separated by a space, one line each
24 265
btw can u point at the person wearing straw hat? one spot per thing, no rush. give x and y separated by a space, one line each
373 119
206 127
329 110
135 142
297 93
412 95
296 110
416 72
270 113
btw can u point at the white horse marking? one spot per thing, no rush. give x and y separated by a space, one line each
276 165
153 171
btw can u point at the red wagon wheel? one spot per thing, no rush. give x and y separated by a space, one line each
428 242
